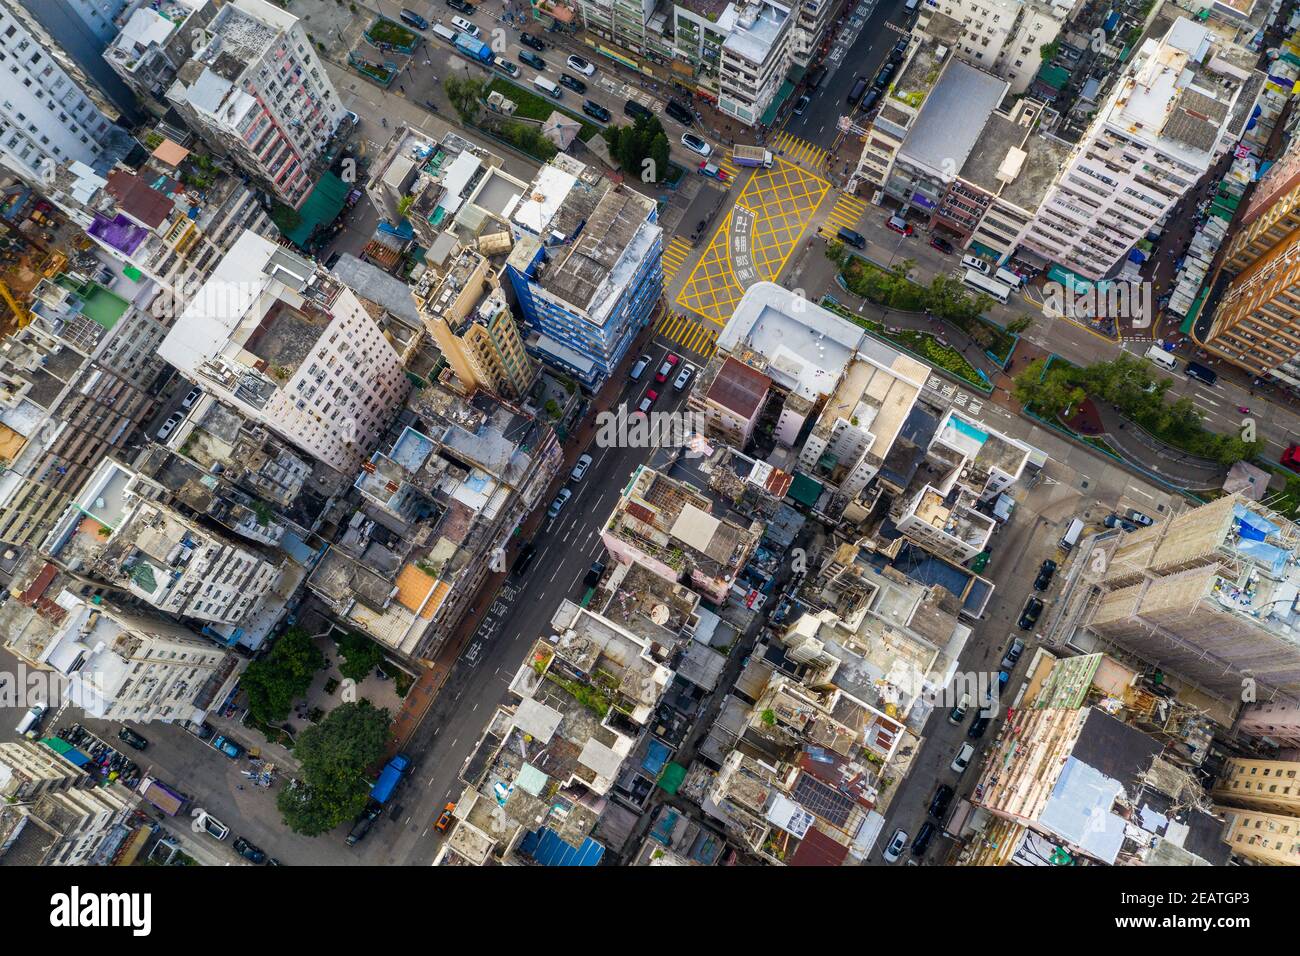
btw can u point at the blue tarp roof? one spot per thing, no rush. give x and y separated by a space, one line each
656 756
549 850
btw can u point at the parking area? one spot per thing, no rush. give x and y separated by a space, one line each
755 240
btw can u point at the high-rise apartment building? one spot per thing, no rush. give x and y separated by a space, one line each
81 29
292 348
1005 36
154 43
257 91
742 52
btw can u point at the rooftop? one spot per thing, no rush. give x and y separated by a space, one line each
952 118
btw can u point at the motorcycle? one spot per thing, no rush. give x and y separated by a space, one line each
1243 409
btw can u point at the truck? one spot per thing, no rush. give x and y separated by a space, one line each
751 156
389 778
162 796
476 49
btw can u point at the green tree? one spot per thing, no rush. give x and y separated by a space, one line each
1047 395
631 146
286 218
360 655
1016 326
334 756
273 683
466 97
837 253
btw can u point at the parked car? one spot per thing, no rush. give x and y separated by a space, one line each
363 824
581 65
527 39
939 802
958 713
580 467
647 400
248 851
696 145
445 818
679 113
899 225
592 577
192 397
132 738
560 501
923 838
1115 521
525 558
531 59
707 168
1029 616
942 244
169 426
894 849
639 368
977 727
212 826
801 104
1138 517
667 368
203 731
462 5
683 377
228 747
1046 570
899 51
505 66
596 111
869 99
1013 654
962 760
573 83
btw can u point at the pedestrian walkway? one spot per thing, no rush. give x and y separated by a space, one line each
800 151
675 254
845 214
691 335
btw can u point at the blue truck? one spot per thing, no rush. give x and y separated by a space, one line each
389 778
473 48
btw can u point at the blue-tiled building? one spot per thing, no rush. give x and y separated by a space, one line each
586 268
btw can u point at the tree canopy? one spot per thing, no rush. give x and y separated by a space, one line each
275 682
334 755
640 149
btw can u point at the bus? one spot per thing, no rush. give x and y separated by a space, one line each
990 287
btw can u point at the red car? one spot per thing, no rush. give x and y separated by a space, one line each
899 225
942 244
1291 457
651 396
667 368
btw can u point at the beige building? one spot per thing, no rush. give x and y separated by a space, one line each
1268 838
1272 785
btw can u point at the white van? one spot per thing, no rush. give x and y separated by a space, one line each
547 87
1006 275
443 33
1071 536
30 718
976 263
464 26
1162 358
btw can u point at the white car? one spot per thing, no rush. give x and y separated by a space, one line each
189 400
896 843
696 145
169 426
684 377
211 825
581 65
560 501
962 760
580 467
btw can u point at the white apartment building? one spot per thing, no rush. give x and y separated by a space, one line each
744 48
1004 36
257 91
124 665
1178 107
154 43
810 26
49 112
291 348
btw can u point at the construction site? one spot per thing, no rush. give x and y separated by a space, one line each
31 240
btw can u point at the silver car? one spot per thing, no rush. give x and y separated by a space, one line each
896 843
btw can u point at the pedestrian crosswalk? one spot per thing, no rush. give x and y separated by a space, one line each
846 213
720 160
800 152
675 254
691 334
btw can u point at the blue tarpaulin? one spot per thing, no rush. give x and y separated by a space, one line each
549 850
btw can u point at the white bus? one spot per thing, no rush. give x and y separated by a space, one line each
990 287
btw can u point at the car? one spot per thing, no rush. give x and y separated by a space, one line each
923 838
1045 572
940 801
683 377
899 225
580 467
527 39
445 818
899 51
462 5
639 368
169 426
942 244
505 66
696 145
978 726
1115 521
228 747
667 368
894 849
531 59
679 112
363 824
203 731
885 75
1013 654
635 110
647 400
192 397
801 104
560 501
414 19
133 739
869 99
525 558
1138 517
962 760
596 111
212 826
248 851
859 87
707 168
592 577
581 65
573 83
958 713
1029 616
